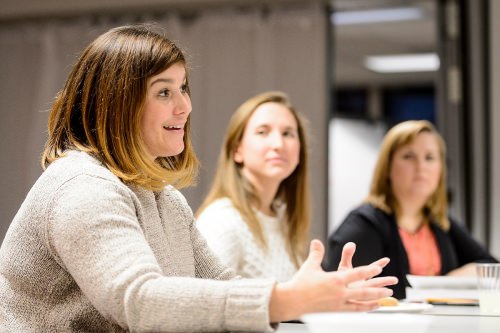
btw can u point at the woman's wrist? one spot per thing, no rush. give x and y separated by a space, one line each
285 303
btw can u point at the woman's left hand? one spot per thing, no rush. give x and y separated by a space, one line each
348 253
346 264
466 270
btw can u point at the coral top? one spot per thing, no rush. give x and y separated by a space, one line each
422 251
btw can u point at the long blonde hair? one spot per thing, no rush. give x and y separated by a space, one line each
381 196
293 191
100 108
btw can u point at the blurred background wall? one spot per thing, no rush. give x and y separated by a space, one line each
456 91
238 48
235 49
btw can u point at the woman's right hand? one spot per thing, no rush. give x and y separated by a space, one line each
313 290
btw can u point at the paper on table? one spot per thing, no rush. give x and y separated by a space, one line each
366 322
442 282
415 294
425 287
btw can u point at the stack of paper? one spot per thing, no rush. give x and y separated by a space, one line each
424 288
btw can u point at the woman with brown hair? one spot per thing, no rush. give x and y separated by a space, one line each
256 215
104 242
405 216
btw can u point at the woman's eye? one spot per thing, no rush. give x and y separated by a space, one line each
261 131
184 88
407 156
290 134
430 158
164 93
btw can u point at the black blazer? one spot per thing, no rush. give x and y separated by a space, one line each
376 235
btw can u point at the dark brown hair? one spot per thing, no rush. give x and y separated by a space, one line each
100 108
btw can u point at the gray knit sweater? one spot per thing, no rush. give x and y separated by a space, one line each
87 253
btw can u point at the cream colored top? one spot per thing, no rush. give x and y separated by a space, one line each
230 238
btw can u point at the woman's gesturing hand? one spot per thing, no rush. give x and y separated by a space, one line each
346 264
314 290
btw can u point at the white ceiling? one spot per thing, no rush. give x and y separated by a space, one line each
353 42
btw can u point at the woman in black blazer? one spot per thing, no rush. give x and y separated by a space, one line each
405 216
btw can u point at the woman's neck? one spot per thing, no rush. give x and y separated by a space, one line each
266 194
410 217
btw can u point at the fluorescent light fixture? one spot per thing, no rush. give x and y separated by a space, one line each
399 63
377 15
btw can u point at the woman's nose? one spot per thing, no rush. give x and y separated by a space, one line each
182 104
276 140
421 163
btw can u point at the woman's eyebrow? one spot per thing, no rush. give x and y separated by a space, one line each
166 80
159 80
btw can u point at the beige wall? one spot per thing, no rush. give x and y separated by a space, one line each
234 53
15 9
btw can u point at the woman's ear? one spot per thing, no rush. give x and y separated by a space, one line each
238 156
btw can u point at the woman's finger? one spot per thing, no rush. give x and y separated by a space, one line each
382 262
347 254
316 254
360 273
362 305
376 282
367 294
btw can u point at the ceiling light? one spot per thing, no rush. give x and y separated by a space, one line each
397 63
377 15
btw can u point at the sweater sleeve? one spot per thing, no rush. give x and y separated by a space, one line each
94 234
207 263
221 225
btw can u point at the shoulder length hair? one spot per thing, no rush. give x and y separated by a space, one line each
381 195
293 191
100 108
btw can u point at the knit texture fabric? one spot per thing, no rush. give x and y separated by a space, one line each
87 253
230 238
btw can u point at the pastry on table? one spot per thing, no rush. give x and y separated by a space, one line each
388 301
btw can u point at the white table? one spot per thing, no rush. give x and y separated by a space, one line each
443 319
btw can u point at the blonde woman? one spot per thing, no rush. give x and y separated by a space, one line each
405 216
256 215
